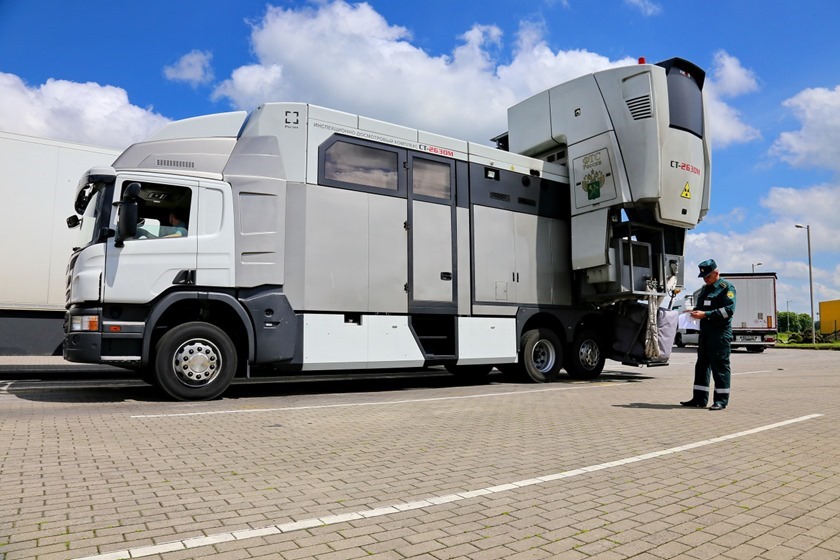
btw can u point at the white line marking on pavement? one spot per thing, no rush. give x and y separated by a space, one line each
384 403
431 501
756 371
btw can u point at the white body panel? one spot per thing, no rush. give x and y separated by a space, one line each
330 342
486 340
38 181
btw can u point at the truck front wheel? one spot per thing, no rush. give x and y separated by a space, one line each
541 355
195 361
586 356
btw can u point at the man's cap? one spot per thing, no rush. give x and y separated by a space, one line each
707 267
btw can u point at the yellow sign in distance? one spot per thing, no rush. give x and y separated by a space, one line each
686 192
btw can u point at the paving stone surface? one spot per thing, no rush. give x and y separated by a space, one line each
422 467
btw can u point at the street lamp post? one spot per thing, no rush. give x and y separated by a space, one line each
755 265
807 229
788 313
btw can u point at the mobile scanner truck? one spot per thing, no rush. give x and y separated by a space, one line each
38 179
302 238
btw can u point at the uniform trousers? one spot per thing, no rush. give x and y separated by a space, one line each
713 356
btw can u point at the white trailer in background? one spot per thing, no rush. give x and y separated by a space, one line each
755 322
38 179
318 239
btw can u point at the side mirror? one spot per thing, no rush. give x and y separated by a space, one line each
82 199
128 214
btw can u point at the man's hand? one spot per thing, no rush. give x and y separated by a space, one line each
698 314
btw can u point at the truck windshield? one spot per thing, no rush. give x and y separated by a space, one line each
95 216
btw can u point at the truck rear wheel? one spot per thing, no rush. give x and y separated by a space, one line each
195 361
586 356
755 349
679 341
540 355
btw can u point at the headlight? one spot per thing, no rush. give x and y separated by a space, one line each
84 323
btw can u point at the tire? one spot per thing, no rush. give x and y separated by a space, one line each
195 361
470 374
586 356
679 341
540 355
755 349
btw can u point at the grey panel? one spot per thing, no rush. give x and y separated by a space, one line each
463 293
533 259
191 155
260 210
388 260
589 239
294 257
561 262
336 250
432 252
494 256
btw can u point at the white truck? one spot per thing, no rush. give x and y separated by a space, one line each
38 179
755 322
317 239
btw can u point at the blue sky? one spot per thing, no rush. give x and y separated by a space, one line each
109 73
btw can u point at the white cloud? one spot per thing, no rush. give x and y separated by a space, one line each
193 68
778 245
88 113
349 57
728 79
816 143
734 216
647 7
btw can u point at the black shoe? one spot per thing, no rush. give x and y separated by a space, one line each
717 406
694 404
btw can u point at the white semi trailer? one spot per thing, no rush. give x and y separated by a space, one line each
38 179
316 239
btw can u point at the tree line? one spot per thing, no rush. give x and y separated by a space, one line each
791 322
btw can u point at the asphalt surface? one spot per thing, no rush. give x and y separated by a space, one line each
94 464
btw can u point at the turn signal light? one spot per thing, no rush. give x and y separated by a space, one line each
84 323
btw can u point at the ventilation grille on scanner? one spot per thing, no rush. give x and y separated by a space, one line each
640 107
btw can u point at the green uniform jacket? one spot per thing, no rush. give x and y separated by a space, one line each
718 301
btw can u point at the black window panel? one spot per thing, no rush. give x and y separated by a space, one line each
498 188
355 164
431 178
685 99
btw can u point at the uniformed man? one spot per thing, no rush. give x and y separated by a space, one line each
714 307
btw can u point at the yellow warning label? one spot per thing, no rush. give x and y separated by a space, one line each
686 193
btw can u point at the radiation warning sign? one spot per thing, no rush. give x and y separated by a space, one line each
686 192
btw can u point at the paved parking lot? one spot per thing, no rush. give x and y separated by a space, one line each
425 468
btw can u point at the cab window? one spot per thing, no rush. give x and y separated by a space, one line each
163 211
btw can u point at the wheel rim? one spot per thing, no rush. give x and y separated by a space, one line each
543 356
589 354
197 362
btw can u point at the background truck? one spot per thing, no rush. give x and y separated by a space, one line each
755 322
38 179
318 239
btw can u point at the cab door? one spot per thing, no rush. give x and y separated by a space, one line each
431 234
162 254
